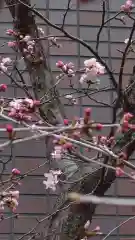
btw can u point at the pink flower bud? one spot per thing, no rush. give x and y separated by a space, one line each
68 145
103 139
59 64
10 32
15 171
128 116
119 172
99 126
11 44
12 113
3 87
66 122
87 112
9 128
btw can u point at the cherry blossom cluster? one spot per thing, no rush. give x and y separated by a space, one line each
92 70
28 43
5 62
128 6
17 35
125 124
72 100
103 140
21 108
52 179
80 127
66 68
9 199
61 147
12 33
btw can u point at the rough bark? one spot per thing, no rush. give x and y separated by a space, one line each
39 71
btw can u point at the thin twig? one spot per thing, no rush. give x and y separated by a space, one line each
65 14
101 27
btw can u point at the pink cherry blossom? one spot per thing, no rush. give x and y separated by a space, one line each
14 194
19 108
10 32
66 122
52 179
66 68
3 68
128 6
15 171
92 70
4 63
26 38
31 43
90 63
97 228
129 3
29 102
16 103
128 116
100 69
12 44
59 64
6 60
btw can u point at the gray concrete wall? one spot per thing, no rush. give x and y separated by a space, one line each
83 21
